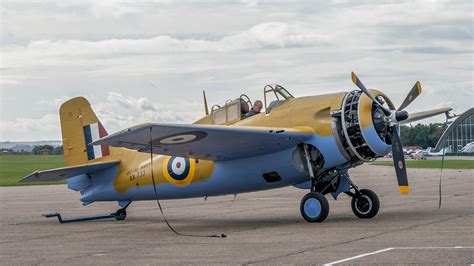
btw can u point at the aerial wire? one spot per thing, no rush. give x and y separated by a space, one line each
442 166
158 201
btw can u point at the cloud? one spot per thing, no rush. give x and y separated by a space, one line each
274 35
116 112
119 111
111 51
264 35
140 104
251 3
55 102
44 128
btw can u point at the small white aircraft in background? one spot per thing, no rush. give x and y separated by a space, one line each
418 155
428 152
468 148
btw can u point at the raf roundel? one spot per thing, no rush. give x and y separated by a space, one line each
400 164
179 170
180 138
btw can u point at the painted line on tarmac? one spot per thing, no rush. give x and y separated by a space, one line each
389 249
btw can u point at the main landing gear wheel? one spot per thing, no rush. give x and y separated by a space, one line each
366 205
314 207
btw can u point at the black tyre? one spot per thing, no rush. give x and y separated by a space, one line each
314 207
121 215
367 205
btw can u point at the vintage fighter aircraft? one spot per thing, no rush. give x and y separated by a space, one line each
307 142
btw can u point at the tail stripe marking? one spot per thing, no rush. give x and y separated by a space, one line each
92 133
103 133
95 136
88 139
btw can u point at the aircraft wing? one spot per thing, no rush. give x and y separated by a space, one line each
67 172
208 142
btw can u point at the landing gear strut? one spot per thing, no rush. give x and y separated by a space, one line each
314 206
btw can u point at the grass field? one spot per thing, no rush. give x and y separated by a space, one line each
15 167
448 164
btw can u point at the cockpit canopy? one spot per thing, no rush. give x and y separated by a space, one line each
275 95
235 110
232 111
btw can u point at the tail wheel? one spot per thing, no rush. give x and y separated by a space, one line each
121 214
366 205
314 207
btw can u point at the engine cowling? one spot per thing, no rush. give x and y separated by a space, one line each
364 133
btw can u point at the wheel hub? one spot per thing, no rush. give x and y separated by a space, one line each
363 204
312 207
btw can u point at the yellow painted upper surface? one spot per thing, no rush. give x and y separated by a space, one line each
312 113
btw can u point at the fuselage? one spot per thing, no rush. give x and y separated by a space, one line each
178 177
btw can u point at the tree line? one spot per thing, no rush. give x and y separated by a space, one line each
422 135
47 150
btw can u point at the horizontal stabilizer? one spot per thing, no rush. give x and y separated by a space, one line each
67 172
208 142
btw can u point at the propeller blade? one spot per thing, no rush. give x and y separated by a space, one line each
399 163
422 115
411 96
361 86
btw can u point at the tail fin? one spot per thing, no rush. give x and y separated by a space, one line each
80 127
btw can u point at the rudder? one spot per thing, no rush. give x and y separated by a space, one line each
79 127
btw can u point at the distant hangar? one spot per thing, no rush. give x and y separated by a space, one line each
459 136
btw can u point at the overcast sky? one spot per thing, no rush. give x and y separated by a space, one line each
149 61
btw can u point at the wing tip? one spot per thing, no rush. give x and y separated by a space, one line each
28 177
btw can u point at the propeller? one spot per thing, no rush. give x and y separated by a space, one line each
393 118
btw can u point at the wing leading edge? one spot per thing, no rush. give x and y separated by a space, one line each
208 142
